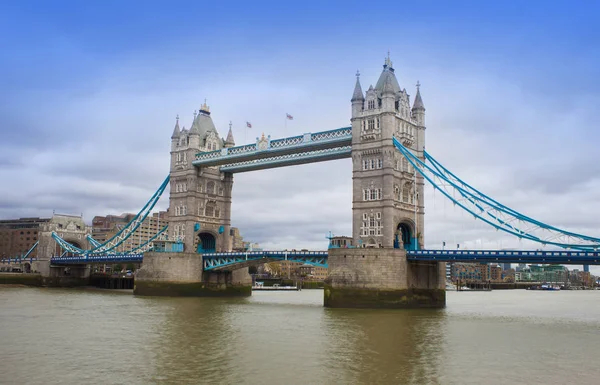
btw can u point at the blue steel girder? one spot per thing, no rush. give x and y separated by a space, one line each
238 260
93 259
290 160
507 256
308 142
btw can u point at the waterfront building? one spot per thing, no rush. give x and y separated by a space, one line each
237 240
106 227
17 236
495 273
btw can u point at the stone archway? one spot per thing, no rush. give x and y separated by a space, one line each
404 236
27 267
58 250
207 243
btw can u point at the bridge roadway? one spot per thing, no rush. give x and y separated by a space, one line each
224 261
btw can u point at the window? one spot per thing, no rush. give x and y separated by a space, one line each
371 104
210 210
210 187
365 164
217 213
371 124
378 123
370 226
185 156
372 164
373 194
379 163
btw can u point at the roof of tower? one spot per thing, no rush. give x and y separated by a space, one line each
358 93
176 131
387 78
203 123
418 104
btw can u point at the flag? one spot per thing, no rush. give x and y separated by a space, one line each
290 117
248 125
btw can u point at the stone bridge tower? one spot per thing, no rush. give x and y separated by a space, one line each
200 200
387 206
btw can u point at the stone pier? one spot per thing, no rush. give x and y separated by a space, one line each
61 276
182 275
382 278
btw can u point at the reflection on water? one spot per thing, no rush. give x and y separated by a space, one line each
81 336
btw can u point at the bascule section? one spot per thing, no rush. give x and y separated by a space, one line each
387 205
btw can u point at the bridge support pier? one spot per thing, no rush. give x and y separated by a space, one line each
61 276
382 278
182 275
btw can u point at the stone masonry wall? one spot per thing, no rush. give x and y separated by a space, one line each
180 267
367 268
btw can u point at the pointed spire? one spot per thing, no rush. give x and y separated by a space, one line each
358 94
418 104
388 62
194 129
229 142
176 131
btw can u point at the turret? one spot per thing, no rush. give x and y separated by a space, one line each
176 134
229 142
418 109
358 99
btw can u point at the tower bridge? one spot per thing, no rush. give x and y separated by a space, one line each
388 267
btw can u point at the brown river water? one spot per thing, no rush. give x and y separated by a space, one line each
83 336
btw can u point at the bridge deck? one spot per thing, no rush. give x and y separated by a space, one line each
225 261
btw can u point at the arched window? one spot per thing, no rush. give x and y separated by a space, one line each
210 187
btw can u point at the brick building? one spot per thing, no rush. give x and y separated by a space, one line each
17 236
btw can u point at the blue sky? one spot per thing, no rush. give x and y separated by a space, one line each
89 92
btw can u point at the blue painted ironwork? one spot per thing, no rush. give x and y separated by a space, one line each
92 241
30 250
123 234
148 245
90 259
229 261
493 213
507 256
290 160
309 142
224 261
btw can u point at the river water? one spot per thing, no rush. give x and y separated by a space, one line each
79 336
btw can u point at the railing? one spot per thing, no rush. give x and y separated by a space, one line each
515 256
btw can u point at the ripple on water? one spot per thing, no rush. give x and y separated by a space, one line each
53 336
